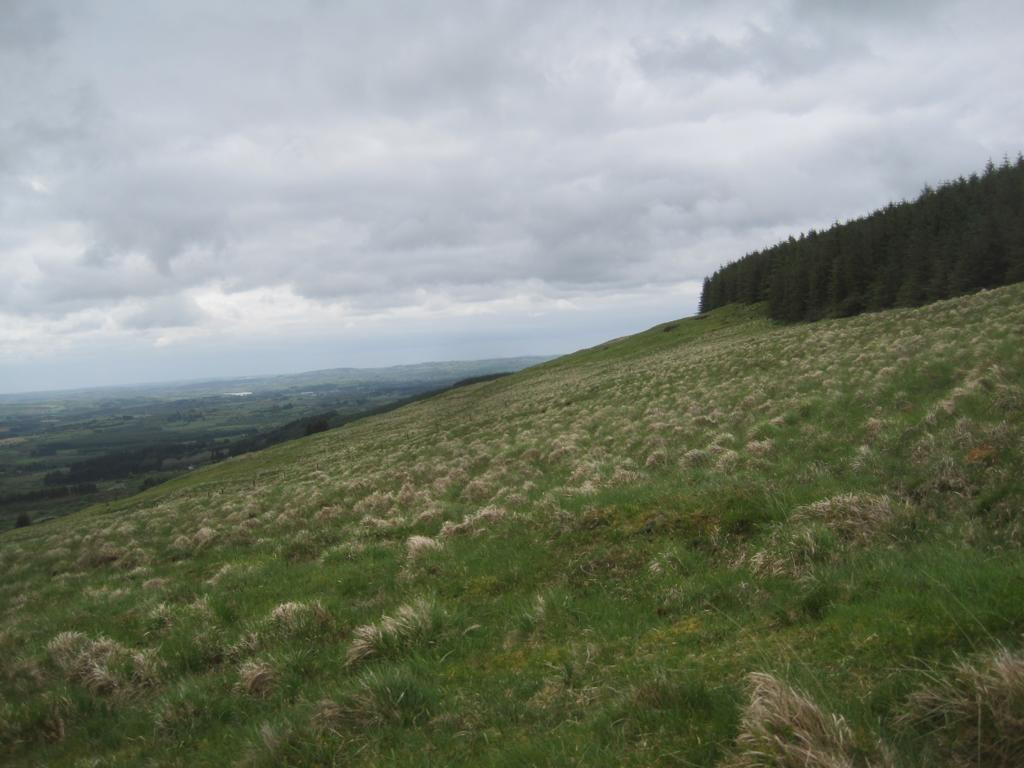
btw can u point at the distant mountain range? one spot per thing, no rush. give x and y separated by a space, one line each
434 374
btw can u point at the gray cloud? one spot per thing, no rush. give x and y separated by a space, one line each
28 25
168 312
768 55
163 162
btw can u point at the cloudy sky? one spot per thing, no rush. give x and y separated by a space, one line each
197 188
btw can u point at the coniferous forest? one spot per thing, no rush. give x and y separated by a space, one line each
965 235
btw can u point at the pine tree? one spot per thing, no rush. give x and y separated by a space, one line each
963 235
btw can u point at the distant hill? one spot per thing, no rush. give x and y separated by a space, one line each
964 235
723 541
431 374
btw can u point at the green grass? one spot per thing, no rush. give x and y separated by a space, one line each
185 425
621 537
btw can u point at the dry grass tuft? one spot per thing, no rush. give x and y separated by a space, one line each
656 459
105 553
256 678
477 489
854 517
270 739
293 617
412 624
623 476
288 614
727 460
697 457
203 536
416 546
783 728
428 515
374 503
975 712
327 716
379 698
822 531
473 523
104 666
874 426
383 524
145 668
66 647
246 645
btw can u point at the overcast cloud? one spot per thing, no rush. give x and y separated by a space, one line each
196 189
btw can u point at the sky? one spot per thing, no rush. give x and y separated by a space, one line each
193 189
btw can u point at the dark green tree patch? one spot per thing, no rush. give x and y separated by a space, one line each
965 235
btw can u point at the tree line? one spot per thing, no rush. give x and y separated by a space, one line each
964 235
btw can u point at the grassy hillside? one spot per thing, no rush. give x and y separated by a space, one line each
721 541
64 451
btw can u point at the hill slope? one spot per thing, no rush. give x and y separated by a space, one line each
580 564
64 451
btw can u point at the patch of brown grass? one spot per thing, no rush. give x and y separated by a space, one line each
784 728
416 546
727 460
203 536
696 457
327 716
856 517
412 623
975 711
293 617
823 531
474 522
256 678
104 666
657 458
759 447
